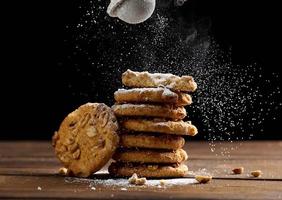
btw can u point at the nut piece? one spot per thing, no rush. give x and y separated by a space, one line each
256 173
152 167
76 154
133 178
91 131
72 148
137 181
141 181
162 182
64 171
238 170
203 179
105 118
55 138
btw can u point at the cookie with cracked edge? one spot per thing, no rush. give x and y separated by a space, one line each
149 110
159 126
86 139
150 156
152 95
153 141
148 80
148 170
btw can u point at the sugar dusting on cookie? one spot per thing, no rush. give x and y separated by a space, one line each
168 92
145 79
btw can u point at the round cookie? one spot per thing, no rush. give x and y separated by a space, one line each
149 171
153 141
87 139
160 126
148 110
150 156
152 95
149 80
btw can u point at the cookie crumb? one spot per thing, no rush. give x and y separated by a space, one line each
137 181
203 179
63 171
133 178
256 173
152 167
123 189
141 181
93 188
162 182
238 170
39 188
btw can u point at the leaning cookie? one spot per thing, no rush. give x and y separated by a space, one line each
87 139
147 80
160 126
148 170
148 110
152 95
150 156
152 141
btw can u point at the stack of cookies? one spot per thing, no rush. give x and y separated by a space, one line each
150 113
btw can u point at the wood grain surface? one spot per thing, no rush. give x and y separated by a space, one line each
29 170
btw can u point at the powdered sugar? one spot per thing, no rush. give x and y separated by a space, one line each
165 91
168 92
146 79
123 184
125 106
140 90
232 101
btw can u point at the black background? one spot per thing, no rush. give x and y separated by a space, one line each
35 95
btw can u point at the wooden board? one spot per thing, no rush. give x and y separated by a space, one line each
28 170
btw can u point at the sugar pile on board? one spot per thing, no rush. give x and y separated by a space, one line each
123 184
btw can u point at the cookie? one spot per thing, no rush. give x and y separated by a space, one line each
148 170
87 139
183 99
160 126
148 80
149 110
150 156
153 141
152 95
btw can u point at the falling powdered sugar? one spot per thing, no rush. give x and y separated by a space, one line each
232 101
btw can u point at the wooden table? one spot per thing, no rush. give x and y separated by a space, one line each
29 170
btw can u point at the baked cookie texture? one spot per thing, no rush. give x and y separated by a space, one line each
147 80
160 126
151 125
148 170
149 110
151 156
86 139
152 95
151 113
152 141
